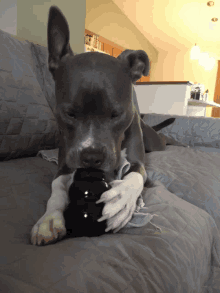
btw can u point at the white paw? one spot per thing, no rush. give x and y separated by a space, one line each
120 201
49 229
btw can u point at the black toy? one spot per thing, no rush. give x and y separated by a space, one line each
82 213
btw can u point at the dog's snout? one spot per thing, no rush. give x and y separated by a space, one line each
92 157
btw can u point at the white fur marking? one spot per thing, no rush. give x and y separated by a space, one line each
87 143
51 225
89 140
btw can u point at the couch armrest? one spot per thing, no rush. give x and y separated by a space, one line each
194 131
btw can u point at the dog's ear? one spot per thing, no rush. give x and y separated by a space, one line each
137 61
57 38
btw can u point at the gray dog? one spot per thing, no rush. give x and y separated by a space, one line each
98 120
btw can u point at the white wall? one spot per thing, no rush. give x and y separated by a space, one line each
8 16
33 17
27 20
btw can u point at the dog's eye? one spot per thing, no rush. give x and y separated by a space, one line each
115 115
70 114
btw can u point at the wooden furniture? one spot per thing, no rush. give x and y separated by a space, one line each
216 111
107 46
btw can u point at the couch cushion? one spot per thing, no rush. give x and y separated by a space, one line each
27 122
191 174
194 131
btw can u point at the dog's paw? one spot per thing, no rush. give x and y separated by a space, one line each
49 229
120 201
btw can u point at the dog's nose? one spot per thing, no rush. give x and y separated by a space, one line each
92 157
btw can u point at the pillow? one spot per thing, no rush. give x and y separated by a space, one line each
27 122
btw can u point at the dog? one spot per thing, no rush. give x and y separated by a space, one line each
98 118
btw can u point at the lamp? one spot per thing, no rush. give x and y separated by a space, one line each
210 64
204 59
195 53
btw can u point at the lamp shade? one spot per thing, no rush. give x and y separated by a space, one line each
195 53
204 59
210 64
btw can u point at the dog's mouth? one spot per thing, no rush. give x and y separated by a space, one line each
94 173
109 166
91 173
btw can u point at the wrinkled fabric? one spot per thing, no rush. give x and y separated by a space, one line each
27 121
183 257
193 131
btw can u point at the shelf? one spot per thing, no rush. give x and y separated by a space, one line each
91 49
199 103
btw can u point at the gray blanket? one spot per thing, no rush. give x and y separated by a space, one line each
183 257
184 192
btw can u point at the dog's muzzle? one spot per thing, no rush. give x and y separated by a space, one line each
92 157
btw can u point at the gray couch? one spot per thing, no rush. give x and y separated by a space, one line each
183 191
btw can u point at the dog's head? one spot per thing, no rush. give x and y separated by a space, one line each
94 106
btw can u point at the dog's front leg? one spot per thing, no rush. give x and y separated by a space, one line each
120 201
51 226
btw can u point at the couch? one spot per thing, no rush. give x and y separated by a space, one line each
182 191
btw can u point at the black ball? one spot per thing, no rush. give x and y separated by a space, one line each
82 213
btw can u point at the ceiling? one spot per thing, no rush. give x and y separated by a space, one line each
175 24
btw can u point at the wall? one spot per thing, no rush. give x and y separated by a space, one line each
29 21
107 20
104 18
32 16
8 16
177 66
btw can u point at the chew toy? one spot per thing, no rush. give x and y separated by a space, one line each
82 213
